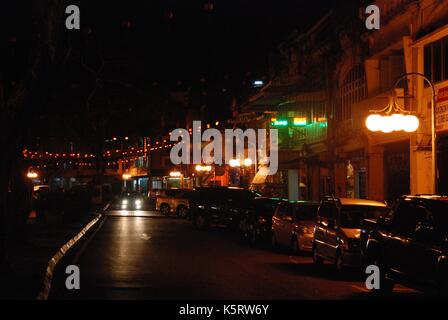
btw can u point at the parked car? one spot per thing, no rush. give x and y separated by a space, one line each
220 206
40 191
257 225
338 228
174 200
154 193
293 225
410 244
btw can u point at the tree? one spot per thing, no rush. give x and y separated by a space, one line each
16 103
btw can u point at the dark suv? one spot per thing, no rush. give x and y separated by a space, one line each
257 225
409 243
220 206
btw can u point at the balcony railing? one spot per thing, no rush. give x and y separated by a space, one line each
316 132
312 133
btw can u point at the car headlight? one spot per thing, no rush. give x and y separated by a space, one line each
138 202
124 202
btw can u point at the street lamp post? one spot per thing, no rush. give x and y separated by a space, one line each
203 169
178 175
32 174
407 122
126 177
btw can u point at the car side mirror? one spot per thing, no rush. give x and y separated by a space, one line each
384 221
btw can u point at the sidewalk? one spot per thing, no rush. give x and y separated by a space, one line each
29 259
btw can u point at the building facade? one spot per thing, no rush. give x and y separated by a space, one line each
412 39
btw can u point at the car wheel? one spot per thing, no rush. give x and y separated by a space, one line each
339 263
442 283
274 243
317 260
386 285
165 209
182 211
295 249
242 231
442 289
252 234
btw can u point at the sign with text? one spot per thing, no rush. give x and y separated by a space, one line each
442 110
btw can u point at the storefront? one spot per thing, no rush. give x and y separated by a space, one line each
356 183
443 163
442 140
396 170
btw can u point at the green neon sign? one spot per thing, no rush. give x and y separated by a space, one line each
280 123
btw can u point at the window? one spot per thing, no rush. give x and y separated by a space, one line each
171 193
265 208
353 216
282 207
436 60
328 211
304 212
440 218
445 58
406 217
353 90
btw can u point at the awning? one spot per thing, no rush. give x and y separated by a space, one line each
261 176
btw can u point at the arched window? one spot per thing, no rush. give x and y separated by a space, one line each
353 90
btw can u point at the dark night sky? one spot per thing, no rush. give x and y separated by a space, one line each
234 38
171 42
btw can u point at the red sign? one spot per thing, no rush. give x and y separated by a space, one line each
442 110
443 95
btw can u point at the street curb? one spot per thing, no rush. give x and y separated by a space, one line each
43 294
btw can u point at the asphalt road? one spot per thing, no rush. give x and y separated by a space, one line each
152 257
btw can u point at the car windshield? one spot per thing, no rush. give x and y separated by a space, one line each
131 195
439 210
305 212
352 216
241 195
266 207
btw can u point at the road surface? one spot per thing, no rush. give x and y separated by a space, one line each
153 257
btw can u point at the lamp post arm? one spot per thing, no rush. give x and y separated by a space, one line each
405 76
433 124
